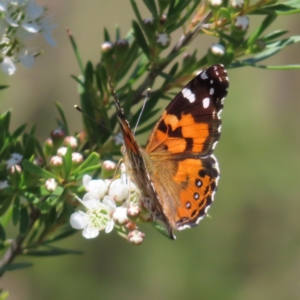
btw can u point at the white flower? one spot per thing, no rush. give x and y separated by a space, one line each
163 39
26 59
21 20
118 190
15 159
118 139
96 218
51 184
3 184
242 22
8 66
95 188
217 49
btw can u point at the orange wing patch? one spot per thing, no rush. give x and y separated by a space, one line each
197 180
178 134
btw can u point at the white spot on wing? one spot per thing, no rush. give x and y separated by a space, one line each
206 102
211 82
187 93
203 75
211 91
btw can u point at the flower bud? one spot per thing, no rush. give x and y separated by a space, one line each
71 141
136 237
51 184
57 136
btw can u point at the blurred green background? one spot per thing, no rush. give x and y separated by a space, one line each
249 249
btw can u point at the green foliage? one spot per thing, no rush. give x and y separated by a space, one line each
133 64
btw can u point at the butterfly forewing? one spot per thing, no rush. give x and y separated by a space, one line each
190 125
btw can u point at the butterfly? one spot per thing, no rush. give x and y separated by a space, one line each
176 173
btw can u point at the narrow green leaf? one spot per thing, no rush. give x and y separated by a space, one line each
64 232
87 170
36 170
24 221
106 35
63 117
52 251
2 87
146 128
2 234
15 266
91 160
18 131
67 163
273 35
140 38
263 26
29 147
152 8
16 211
5 204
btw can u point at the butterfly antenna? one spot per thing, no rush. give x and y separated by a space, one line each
142 110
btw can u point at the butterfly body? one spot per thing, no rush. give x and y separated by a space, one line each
176 173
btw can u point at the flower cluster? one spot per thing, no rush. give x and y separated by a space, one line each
20 20
109 204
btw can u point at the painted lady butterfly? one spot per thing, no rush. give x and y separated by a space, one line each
176 173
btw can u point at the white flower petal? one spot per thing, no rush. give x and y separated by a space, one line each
97 187
32 27
85 180
110 202
78 220
34 11
110 226
90 233
90 202
8 66
26 59
118 191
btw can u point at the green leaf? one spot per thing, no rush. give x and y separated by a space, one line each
106 35
263 26
67 162
152 8
24 221
16 211
146 128
31 197
286 8
273 35
2 234
140 38
91 161
29 147
15 266
36 170
52 200
62 233
18 131
52 251
5 204
2 87
63 118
